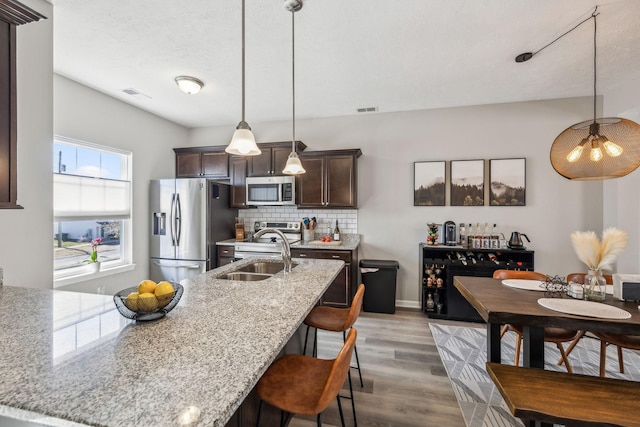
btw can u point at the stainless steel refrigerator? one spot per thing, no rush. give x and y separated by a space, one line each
188 216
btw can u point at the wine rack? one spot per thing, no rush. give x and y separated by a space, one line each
439 298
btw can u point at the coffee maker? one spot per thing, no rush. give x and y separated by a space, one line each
450 233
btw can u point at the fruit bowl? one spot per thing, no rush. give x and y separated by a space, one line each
147 307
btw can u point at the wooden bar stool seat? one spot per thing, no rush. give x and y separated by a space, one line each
304 385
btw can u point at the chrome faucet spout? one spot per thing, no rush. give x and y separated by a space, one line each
286 249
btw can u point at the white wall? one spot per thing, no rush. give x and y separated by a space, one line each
391 227
85 114
25 234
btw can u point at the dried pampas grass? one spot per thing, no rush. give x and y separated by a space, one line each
597 255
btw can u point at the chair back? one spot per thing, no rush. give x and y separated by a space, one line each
519 274
579 278
356 307
338 373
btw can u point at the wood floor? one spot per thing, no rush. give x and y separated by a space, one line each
405 383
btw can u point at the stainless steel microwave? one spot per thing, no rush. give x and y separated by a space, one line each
271 190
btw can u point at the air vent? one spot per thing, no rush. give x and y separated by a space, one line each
367 109
135 93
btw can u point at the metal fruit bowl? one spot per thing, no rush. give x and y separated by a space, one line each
141 310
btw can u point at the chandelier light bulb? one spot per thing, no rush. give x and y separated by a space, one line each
612 149
596 152
575 154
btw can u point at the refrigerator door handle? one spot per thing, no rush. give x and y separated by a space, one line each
178 219
172 219
190 266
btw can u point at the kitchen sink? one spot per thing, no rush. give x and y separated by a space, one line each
245 276
264 267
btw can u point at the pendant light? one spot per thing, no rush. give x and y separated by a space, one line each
243 143
293 166
612 143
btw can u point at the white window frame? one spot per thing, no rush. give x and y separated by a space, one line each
125 263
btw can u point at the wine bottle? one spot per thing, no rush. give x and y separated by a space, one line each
486 237
463 235
336 232
470 236
477 241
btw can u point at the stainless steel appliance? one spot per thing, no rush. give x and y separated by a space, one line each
515 242
450 233
268 246
187 217
271 190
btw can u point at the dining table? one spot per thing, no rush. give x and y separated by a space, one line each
499 304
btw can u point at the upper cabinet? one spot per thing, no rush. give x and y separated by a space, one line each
330 180
238 197
273 158
209 162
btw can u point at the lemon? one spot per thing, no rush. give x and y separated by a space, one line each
131 301
164 292
146 286
147 301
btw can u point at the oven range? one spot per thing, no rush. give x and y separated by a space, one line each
268 246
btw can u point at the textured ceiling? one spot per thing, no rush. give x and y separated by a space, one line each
395 55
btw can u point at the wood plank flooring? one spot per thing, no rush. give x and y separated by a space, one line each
405 383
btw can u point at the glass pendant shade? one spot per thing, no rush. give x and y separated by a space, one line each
294 165
243 143
582 152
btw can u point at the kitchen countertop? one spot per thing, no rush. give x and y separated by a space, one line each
71 358
350 242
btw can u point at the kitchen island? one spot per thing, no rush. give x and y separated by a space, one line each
71 359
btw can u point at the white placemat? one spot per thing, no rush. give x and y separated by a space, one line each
529 285
584 308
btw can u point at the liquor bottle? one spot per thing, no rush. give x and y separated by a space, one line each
430 303
486 237
463 235
336 232
477 241
470 236
495 238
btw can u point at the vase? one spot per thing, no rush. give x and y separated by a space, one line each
94 267
595 286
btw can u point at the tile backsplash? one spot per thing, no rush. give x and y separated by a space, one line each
347 218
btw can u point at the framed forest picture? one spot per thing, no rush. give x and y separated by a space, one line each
467 183
507 182
428 184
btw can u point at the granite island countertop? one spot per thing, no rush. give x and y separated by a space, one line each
72 358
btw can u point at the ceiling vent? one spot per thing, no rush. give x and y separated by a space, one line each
367 109
135 93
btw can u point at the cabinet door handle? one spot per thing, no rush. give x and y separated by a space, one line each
302 255
335 256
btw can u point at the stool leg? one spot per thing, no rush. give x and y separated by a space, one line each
315 342
306 336
259 413
340 410
319 421
353 403
281 418
355 350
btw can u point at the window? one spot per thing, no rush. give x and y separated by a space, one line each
91 199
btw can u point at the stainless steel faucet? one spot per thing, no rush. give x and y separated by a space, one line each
286 249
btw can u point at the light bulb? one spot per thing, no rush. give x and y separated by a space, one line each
575 154
612 149
596 152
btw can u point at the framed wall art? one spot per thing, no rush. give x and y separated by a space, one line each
507 182
428 184
467 183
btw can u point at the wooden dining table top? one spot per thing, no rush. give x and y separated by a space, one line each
500 304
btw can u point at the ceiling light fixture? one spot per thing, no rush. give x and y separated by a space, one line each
243 143
189 85
621 145
294 165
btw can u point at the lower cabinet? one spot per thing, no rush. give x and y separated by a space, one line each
224 255
440 264
340 292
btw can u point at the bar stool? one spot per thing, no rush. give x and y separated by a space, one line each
337 320
304 385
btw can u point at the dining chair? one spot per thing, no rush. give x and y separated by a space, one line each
554 335
305 385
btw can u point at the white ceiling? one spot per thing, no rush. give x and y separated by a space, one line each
396 55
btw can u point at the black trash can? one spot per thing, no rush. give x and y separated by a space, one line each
379 278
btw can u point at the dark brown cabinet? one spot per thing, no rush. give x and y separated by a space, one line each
210 162
238 171
225 255
340 292
330 180
273 158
